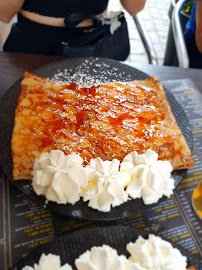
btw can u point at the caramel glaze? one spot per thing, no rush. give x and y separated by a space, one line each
108 121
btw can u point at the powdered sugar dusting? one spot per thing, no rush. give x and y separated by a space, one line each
92 70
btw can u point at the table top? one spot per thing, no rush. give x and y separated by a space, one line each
13 66
25 225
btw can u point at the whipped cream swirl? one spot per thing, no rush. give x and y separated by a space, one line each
106 185
150 177
50 262
155 253
59 177
101 258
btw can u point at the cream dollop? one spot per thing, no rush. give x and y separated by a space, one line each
59 177
150 177
155 253
101 258
106 185
49 262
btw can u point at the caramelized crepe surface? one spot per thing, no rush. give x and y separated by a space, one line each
107 120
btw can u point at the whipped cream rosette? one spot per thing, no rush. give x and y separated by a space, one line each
150 177
101 258
49 262
155 253
106 185
59 177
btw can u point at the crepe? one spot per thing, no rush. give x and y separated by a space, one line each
107 120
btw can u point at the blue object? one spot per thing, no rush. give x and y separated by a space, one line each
190 28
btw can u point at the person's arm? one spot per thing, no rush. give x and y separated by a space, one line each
133 6
198 36
8 9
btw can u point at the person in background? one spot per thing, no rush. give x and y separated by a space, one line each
41 23
193 35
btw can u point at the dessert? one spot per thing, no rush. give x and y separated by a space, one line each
107 120
50 262
155 253
105 184
102 258
145 254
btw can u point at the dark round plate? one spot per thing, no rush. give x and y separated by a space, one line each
70 246
82 70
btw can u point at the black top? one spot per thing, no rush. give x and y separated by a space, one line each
61 8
